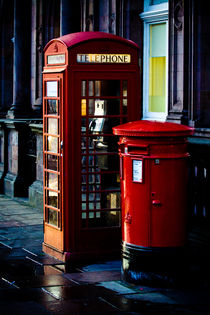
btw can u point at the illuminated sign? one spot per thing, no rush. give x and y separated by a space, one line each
103 58
55 59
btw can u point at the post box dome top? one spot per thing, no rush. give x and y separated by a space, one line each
145 128
73 39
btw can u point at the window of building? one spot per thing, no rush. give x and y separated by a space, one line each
155 56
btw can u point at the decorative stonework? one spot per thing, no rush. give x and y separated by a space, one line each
178 16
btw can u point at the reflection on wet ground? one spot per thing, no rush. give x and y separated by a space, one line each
34 283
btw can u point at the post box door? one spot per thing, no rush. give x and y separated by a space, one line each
52 148
168 203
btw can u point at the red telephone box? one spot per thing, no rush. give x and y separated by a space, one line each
90 84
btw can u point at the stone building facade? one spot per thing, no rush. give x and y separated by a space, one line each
25 32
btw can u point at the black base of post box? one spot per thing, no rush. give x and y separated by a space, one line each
154 266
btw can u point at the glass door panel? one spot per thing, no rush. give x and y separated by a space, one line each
52 154
103 106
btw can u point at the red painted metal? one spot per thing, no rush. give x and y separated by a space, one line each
154 209
73 39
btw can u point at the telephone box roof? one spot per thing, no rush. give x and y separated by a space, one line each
73 39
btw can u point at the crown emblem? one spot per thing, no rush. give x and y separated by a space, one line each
55 48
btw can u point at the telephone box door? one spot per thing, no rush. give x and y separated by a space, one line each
52 148
102 101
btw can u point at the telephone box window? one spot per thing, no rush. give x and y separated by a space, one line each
52 181
83 107
83 88
107 107
105 218
91 88
52 144
52 162
52 126
52 199
52 217
52 152
125 88
52 107
52 88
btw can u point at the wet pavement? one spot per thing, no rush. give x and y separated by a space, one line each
33 283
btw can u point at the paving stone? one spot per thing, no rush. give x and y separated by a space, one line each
78 292
109 265
20 295
93 277
23 308
43 281
153 297
82 306
116 287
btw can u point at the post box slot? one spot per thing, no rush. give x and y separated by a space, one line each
138 150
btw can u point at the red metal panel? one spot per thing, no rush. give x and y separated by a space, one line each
168 214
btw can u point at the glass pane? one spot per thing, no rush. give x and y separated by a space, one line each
83 107
53 217
91 88
83 88
94 201
93 205
52 181
83 125
104 218
109 182
91 107
97 88
104 107
125 89
52 144
52 199
83 144
157 68
109 88
52 88
158 40
102 125
52 162
52 126
125 106
103 162
84 207
52 107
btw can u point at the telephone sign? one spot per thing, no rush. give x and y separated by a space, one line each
90 84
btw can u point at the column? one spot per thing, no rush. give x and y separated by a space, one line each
178 61
69 17
21 59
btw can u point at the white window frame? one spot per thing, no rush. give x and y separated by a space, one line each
154 14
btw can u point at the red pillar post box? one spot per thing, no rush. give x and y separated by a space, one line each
153 161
